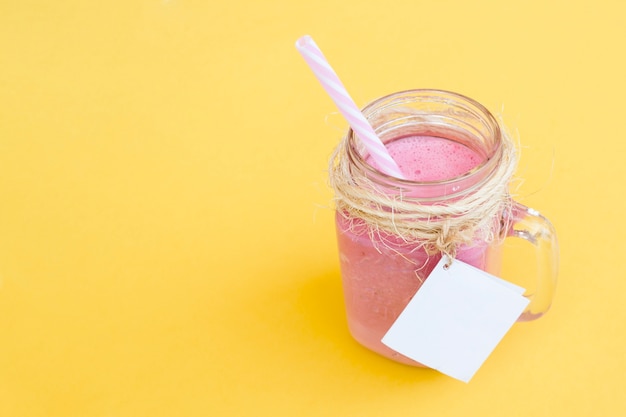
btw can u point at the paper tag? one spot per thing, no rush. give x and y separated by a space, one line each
456 319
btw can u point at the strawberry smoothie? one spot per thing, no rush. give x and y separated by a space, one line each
380 278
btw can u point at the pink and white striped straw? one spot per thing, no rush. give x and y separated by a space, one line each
359 124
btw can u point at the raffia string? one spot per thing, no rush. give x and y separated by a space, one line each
439 227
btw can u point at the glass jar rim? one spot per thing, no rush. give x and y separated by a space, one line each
442 96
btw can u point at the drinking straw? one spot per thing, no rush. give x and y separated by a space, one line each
348 108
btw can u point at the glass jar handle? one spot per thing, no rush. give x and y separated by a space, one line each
531 226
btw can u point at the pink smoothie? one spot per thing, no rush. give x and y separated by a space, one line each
428 158
379 280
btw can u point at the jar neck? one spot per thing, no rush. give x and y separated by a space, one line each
434 113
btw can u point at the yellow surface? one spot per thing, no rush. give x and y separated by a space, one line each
166 242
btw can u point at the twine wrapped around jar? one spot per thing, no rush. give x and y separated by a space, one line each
482 213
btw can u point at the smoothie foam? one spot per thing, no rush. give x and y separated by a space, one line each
429 158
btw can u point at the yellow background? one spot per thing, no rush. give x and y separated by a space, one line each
166 238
